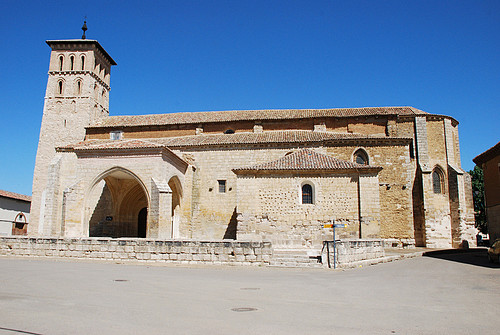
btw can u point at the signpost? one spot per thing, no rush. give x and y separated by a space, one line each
333 225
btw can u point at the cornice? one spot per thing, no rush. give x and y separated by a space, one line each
81 72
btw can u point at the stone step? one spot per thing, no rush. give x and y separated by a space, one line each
295 264
294 261
295 258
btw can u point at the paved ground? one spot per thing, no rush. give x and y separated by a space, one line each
444 294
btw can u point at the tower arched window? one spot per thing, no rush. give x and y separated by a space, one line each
307 194
61 62
78 87
438 181
60 87
72 63
83 62
361 157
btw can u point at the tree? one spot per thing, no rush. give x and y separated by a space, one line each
478 196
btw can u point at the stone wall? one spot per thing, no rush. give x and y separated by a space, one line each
350 252
180 252
395 184
442 219
270 207
213 212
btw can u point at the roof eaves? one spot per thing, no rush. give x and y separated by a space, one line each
247 115
367 169
80 41
487 155
15 196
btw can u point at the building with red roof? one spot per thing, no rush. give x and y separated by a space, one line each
14 213
389 173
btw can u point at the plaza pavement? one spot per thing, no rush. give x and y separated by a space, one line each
446 293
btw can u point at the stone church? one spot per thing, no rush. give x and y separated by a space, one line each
389 173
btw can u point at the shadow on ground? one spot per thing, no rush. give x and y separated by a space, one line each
476 256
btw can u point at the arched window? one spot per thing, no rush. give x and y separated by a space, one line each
307 194
72 62
83 62
61 61
229 131
78 87
60 87
361 157
20 218
437 181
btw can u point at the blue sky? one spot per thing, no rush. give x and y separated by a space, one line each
438 56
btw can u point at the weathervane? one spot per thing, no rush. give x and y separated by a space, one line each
84 28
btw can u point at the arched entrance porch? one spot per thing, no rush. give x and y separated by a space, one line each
117 205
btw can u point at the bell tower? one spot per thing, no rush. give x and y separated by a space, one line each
77 95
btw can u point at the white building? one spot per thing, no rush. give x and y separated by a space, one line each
14 213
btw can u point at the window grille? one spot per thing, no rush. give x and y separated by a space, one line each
222 186
307 194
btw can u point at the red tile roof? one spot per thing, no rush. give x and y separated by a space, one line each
306 159
116 144
488 154
113 146
285 136
16 196
268 137
248 115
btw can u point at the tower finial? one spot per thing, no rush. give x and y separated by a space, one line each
84 28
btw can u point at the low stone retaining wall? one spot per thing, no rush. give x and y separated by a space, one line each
401 243
351 252
126 249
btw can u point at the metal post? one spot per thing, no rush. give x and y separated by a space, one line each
328 254
334 247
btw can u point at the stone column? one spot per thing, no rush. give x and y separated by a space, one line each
50 204
369 206
73 204
160 212
421 143
450 147
246 208
165 214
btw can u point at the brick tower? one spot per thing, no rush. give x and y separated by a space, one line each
77 95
